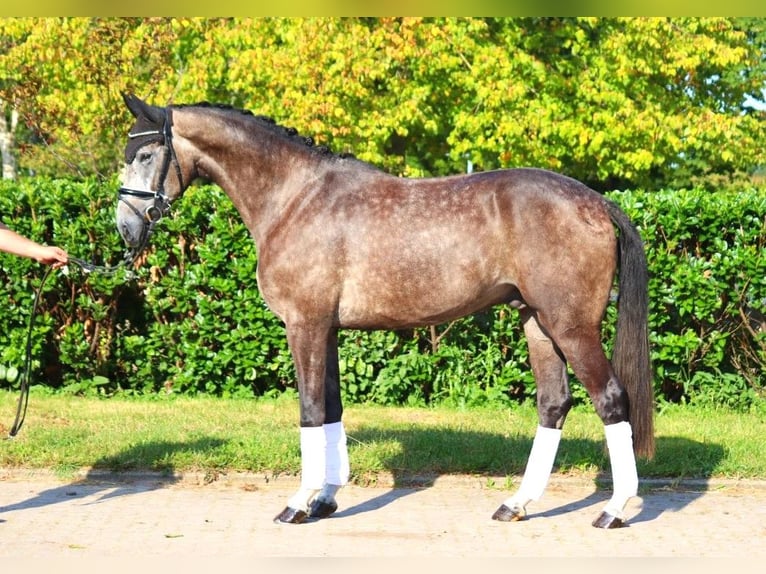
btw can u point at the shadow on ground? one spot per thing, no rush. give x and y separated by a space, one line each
114 483
420 456
416 457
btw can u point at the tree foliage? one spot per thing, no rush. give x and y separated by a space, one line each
615 102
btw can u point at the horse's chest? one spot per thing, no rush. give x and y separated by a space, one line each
301 285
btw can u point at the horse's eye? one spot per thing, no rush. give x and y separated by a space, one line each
144 157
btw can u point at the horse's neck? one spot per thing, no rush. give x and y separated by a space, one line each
260 188
262 200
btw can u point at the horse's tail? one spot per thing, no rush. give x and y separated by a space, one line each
630 358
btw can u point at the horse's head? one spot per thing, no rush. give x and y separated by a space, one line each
152 177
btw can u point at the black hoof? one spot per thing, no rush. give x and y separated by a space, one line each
290 516
606 520
322 508
505 514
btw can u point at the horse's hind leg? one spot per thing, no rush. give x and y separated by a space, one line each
553 403
610 399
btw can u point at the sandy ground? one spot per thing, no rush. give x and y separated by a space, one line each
142 516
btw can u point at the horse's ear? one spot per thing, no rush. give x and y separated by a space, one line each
133 104
139 108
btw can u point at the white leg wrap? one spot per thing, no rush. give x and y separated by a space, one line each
539 466
301 500
337 465
312 467
619 441
312 457
324 464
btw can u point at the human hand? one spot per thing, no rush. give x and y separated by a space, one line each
51 255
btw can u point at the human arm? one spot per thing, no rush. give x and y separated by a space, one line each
16 244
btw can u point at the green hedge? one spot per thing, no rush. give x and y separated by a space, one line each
191 320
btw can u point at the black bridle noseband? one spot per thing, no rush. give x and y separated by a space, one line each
160 205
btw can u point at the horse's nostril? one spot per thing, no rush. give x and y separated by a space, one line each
127 234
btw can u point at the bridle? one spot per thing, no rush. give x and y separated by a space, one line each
160 205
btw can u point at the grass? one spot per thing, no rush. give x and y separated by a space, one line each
170 435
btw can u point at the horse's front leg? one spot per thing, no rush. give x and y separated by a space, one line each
324 459
336 451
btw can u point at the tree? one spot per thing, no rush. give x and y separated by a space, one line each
9 120
615 102
64 76
628 102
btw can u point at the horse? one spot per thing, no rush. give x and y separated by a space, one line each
343 244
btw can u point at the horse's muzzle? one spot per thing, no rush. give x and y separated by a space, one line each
130 226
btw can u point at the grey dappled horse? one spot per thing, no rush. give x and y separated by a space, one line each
342 244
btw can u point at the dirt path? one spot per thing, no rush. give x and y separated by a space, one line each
121 516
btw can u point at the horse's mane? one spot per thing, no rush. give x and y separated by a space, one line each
270 123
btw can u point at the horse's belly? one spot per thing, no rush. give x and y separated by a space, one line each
418 303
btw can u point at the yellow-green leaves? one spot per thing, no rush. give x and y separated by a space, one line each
616 102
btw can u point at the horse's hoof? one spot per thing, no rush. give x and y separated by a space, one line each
505 514
290 516
606 520
322 508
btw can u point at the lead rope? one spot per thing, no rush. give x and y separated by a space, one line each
21 408
151 217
